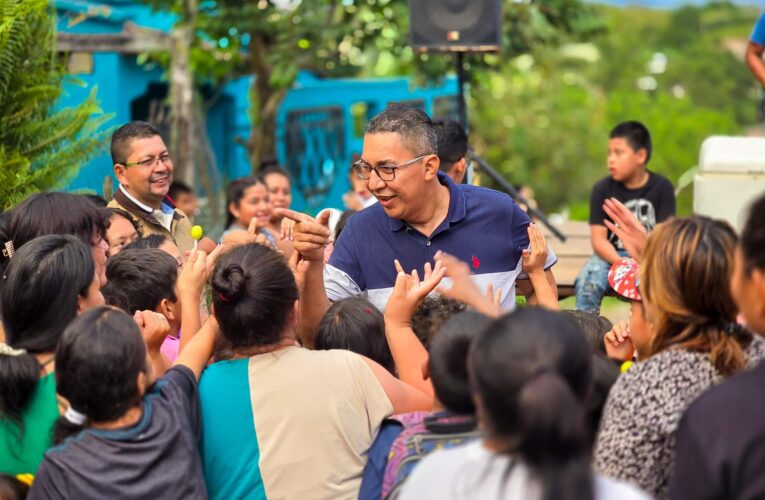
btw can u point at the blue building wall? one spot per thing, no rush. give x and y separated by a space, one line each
319 124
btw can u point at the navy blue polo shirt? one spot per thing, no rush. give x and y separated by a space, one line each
483 227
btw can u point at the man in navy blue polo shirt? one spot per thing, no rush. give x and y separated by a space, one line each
420 212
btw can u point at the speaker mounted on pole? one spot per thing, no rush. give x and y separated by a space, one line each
455 25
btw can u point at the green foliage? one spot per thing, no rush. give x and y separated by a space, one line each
344 39
40 147
544 118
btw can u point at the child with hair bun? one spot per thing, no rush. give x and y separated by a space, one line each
302 420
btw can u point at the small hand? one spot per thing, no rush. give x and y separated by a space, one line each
288 227
409 292
310 235
618 342
154 328
535 256
626 227
191 281
494 296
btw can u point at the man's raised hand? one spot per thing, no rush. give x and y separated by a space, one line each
309 235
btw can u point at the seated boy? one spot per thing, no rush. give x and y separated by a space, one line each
650 196
142 279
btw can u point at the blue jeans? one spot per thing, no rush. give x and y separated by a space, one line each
592 284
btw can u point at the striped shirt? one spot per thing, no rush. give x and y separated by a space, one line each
483 227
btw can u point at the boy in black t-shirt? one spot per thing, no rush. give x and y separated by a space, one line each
650 196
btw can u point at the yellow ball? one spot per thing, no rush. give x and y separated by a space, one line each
196 232
626 366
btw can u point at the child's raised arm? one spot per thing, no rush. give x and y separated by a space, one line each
463 289
534 259
404 397
408 352
191 283
199 349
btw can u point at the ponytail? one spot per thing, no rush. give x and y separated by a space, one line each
533 372
553 439
19 373
726 347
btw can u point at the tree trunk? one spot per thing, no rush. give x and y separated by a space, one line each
264 105
182 123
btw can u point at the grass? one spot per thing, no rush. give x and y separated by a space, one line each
612 308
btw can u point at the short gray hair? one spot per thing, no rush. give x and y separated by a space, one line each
413 125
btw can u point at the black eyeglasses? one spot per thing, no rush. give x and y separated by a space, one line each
150 162
384 172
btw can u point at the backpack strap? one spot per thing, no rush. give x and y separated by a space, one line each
450 424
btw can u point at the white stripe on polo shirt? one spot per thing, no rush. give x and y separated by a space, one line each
341 286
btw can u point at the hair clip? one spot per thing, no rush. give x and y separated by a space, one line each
732 328
8 249
74 417
7 350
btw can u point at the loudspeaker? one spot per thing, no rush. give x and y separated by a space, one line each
455 25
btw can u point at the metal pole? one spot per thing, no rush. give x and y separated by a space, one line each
509 189
461 77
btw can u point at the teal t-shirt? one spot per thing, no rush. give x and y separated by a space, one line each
22 450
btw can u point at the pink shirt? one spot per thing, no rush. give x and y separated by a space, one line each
170 347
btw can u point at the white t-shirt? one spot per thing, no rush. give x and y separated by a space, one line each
473 472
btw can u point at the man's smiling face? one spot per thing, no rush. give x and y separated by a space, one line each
401 196
150 180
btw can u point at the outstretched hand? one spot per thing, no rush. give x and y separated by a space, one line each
309 235
463 289
535 256
626 227
409 292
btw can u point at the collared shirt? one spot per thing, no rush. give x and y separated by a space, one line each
155 221
164 215
483 227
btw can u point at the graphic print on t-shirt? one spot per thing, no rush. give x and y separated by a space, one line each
644 211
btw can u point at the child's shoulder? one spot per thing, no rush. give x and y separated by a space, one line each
659 179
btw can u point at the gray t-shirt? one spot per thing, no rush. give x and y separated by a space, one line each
472 472
155 458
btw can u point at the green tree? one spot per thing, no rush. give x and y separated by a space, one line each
40 147
543 118
273 40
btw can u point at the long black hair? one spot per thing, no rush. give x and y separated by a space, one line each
254 292
354 324
39 300
98 361
52 213
532 371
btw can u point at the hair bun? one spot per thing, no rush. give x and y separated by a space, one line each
230 283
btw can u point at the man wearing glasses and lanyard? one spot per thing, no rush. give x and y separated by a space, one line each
144 168
420 212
